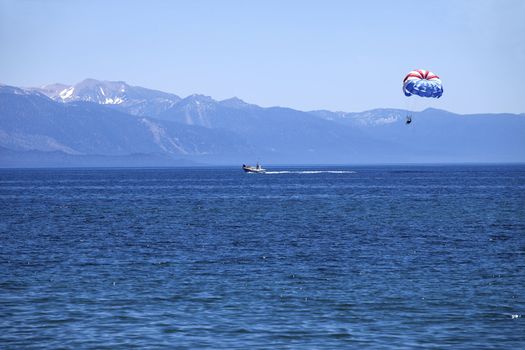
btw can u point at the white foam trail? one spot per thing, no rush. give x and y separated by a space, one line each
311 172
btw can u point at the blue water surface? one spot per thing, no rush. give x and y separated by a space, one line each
391 257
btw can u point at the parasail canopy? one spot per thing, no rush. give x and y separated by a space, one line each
422 83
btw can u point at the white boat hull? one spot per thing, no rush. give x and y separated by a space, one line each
252 169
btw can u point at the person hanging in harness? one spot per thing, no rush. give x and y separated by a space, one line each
421 83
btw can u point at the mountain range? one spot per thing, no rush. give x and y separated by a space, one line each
103 123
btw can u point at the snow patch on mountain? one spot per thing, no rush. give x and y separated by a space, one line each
126 98
67 93
385 116
375 117
111 101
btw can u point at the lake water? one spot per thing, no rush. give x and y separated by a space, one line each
390 257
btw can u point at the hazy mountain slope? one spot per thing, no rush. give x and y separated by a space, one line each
233 131
23 159
279 134
441 135
31 121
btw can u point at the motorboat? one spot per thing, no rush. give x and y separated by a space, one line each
258 169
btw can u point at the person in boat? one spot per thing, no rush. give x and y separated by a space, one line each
257 166
408 120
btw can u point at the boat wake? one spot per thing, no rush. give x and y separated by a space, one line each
310 172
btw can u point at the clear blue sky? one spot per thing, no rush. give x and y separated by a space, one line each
337 55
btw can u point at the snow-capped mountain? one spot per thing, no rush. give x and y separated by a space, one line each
117 94
30 121
52 90
114 119
374 117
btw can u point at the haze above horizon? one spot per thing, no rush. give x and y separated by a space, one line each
300 54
